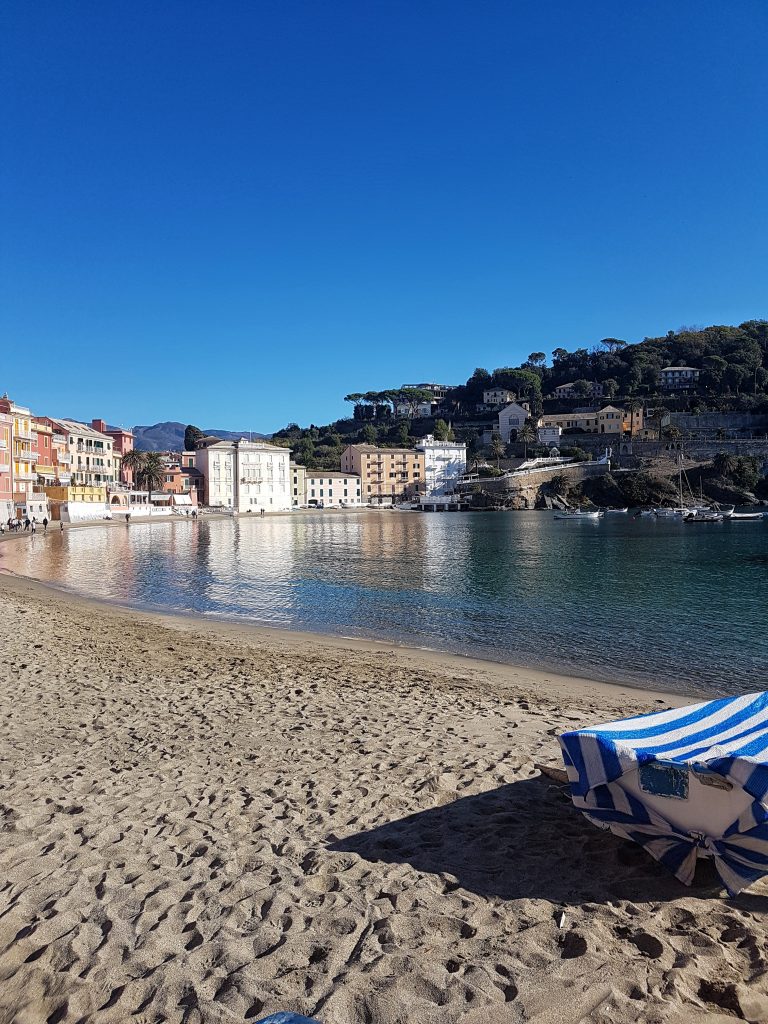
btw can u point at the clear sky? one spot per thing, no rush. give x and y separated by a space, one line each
234 212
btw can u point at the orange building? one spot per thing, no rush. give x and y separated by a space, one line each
387 475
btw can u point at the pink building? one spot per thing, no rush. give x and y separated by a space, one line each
122 444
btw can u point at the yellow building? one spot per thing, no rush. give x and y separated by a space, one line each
608 420
23 453
387 475
298 484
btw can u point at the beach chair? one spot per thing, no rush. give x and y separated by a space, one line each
685 783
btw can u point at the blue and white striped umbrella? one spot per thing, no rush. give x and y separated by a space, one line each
721 744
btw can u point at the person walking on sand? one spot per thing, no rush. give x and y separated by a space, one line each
27 524
34 527
45 524
61 526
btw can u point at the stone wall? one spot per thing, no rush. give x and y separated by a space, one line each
522 489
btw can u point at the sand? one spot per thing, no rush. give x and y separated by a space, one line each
206 823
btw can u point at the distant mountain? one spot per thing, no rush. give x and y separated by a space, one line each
169 437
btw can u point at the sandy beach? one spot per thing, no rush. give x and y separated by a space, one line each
205 823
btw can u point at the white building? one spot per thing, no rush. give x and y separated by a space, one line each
678 378
445 462
246 476
332 488
498 396
420 411
550 436
511 419
569 390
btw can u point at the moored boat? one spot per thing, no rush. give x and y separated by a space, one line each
579 513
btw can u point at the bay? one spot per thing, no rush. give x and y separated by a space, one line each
652 602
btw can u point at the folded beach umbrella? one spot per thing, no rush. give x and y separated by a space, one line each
686 783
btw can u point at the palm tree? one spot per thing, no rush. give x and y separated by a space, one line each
152 473
498 448
527 434
724 464
133 461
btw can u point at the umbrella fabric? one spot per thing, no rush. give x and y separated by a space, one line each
728 737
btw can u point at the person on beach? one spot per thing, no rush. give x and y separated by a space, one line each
61 526
27 524
34 526
45 524
127 518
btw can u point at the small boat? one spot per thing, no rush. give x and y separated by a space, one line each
615 511
746 517
579 514
673 513
703 517
685 783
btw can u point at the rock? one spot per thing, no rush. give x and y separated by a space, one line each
753 1005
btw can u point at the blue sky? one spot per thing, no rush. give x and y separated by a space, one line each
235 213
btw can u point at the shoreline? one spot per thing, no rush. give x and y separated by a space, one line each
205 821
497 672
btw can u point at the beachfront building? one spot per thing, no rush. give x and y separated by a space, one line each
298 485
122 443
180 481
608 420
333 488
93 466
7 509
445 462
245 476
511 418
387 475
23 476
678 378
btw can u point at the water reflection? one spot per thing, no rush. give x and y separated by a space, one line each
634 599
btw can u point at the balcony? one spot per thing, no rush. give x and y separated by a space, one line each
64 459
23 435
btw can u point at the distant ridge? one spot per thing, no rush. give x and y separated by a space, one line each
169 437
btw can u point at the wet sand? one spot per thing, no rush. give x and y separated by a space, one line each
206 822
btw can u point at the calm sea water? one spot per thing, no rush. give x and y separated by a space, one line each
657 603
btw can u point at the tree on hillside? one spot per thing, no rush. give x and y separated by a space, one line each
354 399
192 437
524 383
610 387
369 433
724 464
613 344
403 435
443 431
498 448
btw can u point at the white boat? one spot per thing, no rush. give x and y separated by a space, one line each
579 514
703 517
747 517
673 513
615 511
685 783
